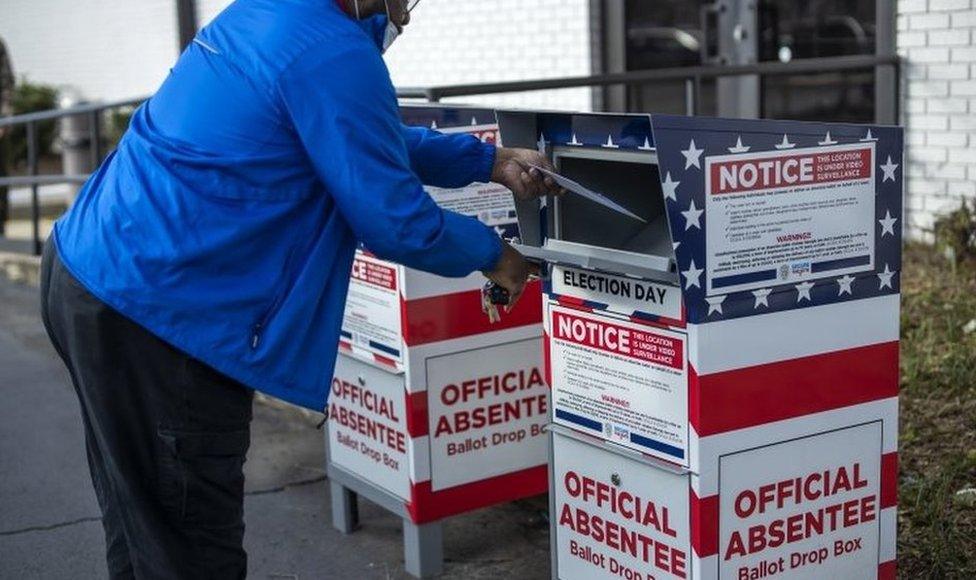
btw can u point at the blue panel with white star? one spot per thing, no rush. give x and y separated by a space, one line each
441 117
684 143
596 131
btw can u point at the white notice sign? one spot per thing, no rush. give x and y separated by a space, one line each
487 410
624 382
372 317
807 508
368 425
788 216
492 204
616 517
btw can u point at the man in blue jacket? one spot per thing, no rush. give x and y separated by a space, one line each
210 255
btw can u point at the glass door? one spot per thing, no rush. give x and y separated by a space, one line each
683 33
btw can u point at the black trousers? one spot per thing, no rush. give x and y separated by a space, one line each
166 438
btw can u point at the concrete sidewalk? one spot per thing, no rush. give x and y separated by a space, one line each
49 520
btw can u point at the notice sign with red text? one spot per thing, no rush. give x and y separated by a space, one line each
616 517
807 508
492 204
624 382
372 317
788 216
367 425
487 410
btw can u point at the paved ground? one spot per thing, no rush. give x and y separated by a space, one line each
49 521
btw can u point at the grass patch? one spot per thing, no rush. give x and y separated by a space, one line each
936 524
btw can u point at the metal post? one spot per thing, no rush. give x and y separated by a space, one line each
35 199
886 75
738 43
698 93
75 135
345 508
423 548
186 21
637 102
614 54
690 97
95 138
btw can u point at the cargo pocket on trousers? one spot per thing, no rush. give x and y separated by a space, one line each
201 476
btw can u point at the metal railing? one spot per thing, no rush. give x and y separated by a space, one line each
30 121
886 103
692 78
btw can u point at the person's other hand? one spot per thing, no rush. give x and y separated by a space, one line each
513 170
511 272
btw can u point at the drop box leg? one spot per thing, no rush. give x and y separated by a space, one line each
345 509
423 549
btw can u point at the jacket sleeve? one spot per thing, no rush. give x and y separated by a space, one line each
343 108
448 160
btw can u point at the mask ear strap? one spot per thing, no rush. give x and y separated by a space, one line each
356 4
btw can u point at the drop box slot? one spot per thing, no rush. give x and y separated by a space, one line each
631 179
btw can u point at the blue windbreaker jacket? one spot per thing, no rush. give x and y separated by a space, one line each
226 221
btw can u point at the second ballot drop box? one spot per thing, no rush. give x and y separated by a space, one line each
724 370
435 411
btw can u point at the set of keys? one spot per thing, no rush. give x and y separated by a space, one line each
493 296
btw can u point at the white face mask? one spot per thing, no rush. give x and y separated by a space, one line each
390 33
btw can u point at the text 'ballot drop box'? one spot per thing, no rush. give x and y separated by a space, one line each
721 342
434 410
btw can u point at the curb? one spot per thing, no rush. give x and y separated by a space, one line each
21 268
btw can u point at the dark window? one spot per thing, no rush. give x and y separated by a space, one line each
812 29
674 33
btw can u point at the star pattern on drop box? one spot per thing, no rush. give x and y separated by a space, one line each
692 216
688 171
670 187
888 170
692 155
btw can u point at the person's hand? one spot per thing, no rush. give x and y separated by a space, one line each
513 170
511 272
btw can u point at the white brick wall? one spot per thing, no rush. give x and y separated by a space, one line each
937 39
111 49
475 41
107 49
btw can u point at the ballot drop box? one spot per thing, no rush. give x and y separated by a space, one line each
721 339
434 410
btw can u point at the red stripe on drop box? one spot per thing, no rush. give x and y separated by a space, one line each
704 526
573 302
751 396
458 315
888 570
418 423
385 361
547 359
889 480
426 505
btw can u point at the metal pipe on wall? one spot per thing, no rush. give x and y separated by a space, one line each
186 21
